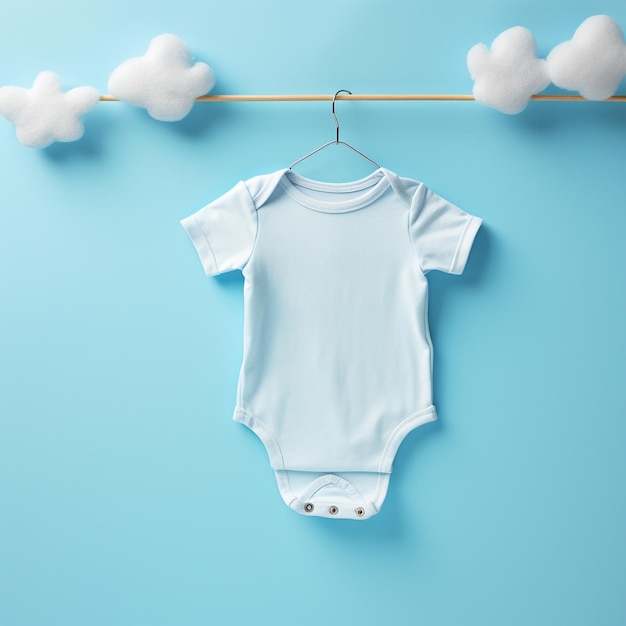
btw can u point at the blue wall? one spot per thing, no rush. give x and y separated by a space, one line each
127 495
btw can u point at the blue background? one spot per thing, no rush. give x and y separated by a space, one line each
127 495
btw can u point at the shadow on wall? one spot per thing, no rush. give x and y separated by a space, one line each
439 284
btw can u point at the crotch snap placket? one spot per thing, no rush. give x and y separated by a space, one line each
334 497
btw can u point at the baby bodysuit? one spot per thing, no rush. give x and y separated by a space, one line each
337 356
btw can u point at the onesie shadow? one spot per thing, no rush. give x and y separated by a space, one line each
442 288
232 281
440 285
396 525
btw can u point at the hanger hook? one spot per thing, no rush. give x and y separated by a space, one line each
333 109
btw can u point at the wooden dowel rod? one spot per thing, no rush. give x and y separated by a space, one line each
421 97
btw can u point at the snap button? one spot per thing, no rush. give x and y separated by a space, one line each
333 510
308 507
360 511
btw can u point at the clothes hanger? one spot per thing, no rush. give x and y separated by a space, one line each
335 141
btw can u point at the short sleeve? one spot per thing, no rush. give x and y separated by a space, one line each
441 233
224 231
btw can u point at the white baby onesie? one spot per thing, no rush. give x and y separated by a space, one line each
337 360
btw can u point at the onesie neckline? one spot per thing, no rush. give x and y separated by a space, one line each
374 185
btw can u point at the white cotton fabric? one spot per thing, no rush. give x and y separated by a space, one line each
337 361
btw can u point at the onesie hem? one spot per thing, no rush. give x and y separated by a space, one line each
263 433
465 245
201 244
429 414
385 466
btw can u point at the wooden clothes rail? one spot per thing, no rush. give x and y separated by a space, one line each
418 97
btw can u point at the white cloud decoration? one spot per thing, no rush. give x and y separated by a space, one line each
165 81
45 113
510 73
593 62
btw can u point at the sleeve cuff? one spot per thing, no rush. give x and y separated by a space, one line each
465 245
201 244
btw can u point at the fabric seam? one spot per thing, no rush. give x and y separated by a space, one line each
256 221
376 190
413 211
400 432
266 436
459 246
199 228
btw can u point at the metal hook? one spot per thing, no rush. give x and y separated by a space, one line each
336 142
333 109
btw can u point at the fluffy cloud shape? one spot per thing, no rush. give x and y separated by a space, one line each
593 62
45 113
165 81
510 73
